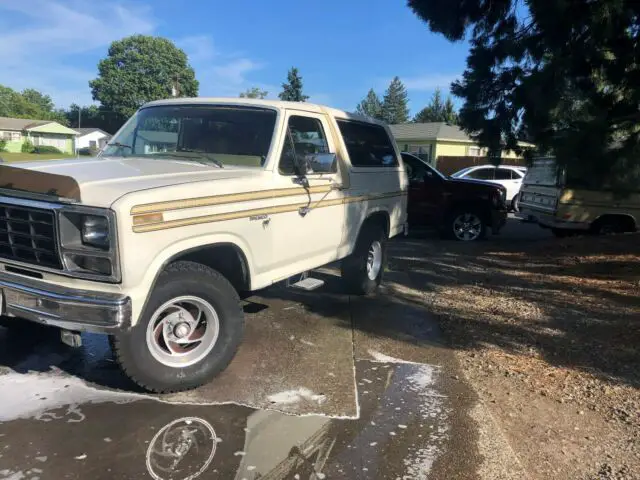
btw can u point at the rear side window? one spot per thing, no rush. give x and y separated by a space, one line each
368 144
505 174
482 174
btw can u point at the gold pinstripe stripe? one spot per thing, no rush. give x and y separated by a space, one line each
219 217
160 207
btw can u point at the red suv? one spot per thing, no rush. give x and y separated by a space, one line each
463 209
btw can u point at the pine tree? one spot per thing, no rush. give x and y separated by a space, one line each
371 106
394 105
292 90
437 111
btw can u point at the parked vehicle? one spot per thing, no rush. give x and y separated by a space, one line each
509 176
463 209
194 201
567 204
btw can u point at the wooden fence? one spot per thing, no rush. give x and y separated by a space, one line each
449 165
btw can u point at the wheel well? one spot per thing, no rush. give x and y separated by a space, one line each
379 218
226 258
627 222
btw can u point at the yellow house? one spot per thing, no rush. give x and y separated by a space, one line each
434 141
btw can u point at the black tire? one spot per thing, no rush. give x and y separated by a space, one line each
562 232
354 267
182 279
515 203
452 220
609 226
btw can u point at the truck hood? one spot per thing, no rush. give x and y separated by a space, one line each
101 181
478 185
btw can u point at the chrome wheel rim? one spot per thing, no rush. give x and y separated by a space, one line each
183 331
374 260
467 227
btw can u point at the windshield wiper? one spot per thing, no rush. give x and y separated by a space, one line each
205 156
118 144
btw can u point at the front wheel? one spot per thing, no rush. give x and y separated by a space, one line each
515 203
467 226
187 334
362 271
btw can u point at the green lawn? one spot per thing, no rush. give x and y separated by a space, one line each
33 157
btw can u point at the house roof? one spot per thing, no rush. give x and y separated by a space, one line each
429 131
86 131
20 124
40 126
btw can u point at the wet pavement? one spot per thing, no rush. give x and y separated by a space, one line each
324 386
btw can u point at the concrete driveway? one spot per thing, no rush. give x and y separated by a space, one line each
324 386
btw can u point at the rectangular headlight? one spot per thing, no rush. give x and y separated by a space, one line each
88 243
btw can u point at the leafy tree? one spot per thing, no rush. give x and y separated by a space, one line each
438 111
139 69
395 107
563 74
94 117
28 104
254 92
371 106
292 90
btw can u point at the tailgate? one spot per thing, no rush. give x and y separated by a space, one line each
539 198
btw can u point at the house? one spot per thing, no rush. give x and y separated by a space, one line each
91 138
15 131
445 145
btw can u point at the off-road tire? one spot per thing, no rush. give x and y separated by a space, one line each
182 279
354 268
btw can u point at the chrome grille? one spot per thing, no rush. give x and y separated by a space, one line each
28 235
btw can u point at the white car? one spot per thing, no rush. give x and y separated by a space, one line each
509 176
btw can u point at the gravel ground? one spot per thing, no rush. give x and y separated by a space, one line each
548 332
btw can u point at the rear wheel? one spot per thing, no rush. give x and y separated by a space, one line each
467 225
563 232
515 203
612 225
362 271
188 333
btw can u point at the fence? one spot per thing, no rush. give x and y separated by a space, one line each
449 165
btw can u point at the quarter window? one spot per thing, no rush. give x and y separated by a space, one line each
482 174
368 144
505 174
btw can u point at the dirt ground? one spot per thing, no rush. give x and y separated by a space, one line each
548 334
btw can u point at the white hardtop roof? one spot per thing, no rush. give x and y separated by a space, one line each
502 165
276 104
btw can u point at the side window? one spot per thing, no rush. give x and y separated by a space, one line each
306 137
415 171
368 144
482 174
505 174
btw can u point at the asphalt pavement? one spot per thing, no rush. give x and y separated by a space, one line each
324 386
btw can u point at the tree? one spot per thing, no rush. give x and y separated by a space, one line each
254 92
292 90
139 69
371 106
437 111
395 107
30 104
93 117
563 73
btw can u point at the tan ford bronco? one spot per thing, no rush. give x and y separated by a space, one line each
193 202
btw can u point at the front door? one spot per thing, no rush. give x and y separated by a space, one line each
425 192
308 231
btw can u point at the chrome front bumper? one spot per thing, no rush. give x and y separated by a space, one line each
71 309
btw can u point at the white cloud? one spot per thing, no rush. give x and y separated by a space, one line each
37 49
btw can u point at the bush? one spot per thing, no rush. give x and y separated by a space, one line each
27 147
3 145
46 149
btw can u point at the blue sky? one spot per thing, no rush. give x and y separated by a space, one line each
342 48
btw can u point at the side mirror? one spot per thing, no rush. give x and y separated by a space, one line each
428 176
319 163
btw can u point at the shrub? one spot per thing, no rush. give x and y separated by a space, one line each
27 146
46 149
3 145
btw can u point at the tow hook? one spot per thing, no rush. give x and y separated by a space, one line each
71 338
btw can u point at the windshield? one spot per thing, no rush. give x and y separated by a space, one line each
543 172
219 135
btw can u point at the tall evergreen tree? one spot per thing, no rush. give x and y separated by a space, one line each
531 60
437 110
371 106
292 89
395 107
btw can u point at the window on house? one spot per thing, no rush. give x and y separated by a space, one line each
368 144
473 151
420 151
307 138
